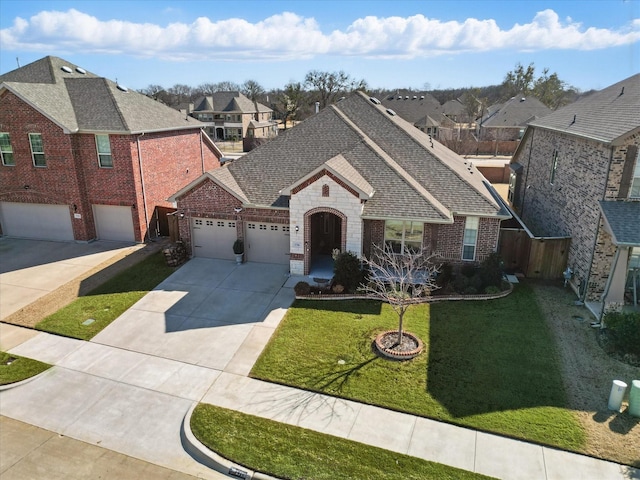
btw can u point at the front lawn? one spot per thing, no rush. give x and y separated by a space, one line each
107 302
15 369
287 451
490 365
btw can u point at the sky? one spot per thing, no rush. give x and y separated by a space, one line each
418 44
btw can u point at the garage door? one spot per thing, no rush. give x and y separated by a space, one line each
114 223
267 243
35 220
213 238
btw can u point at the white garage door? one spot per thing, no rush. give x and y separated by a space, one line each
213 238
36 220
267 243
114 223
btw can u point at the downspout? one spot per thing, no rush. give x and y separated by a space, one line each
608 285
595 240
201 152
144 196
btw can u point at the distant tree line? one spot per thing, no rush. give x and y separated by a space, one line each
297 100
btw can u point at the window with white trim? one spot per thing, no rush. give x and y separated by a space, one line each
470 238
6 150
104 151
37 150
635 183
554 166
401 236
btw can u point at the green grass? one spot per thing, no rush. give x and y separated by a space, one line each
489 365
107 302
15 369
287 451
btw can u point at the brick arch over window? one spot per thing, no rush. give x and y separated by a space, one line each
307 232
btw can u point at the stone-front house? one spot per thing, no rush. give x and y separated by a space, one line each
233 116
86 158
576 173
353 175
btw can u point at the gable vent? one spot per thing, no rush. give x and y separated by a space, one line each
64 68
391 112
81 70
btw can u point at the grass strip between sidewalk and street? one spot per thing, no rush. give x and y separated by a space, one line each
14 368
287 451
88 315
488 365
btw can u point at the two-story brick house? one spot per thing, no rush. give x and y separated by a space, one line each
86 158
576 173
233 116
353 175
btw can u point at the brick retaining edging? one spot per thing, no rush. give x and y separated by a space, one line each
433 299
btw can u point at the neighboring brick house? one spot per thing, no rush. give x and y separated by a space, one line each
233 116
353 175
84 158
576 173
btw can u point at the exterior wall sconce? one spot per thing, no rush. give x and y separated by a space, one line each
133 206
237 209
297 228
27 187
75 207
181 215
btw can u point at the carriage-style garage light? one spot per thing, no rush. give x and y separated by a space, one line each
237 209
297 228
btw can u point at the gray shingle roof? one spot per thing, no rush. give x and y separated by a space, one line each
605 115
85 102
228 102
412 177
623 219
516 112
413 109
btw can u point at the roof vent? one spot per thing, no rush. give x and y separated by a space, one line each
522 99
374 100
407 97
64 68
341 98
421 97
415 97
399 97
122 88
391 112
81 70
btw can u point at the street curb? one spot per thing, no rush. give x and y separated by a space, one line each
201 453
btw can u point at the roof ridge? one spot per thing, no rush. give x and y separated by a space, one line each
394 165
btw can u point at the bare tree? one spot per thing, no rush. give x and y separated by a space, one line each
399 279
226 86
327 84
252 90
291 100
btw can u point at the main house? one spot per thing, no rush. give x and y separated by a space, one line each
233 116
576 173
353 175
84 158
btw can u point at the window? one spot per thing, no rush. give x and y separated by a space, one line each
104 151
470 238
635 183
37 150
554 166
401 236
6 150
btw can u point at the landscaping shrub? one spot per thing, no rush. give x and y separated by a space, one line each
491 270
625 331
302 288
347 271
445 275
492 290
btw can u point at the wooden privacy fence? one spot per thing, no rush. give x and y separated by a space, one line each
535 257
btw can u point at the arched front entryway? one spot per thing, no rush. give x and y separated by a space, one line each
219 133
325 230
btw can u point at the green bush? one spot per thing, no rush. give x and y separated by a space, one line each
625 330
347 271
302 288
492 290
491 270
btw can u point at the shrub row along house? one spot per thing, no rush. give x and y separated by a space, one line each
84 158
576 173
353 175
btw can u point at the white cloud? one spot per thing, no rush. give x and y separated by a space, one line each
289 36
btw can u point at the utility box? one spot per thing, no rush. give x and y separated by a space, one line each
634 399
617 394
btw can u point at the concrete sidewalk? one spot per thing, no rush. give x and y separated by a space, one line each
134 403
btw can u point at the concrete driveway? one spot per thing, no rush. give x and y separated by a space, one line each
30 269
